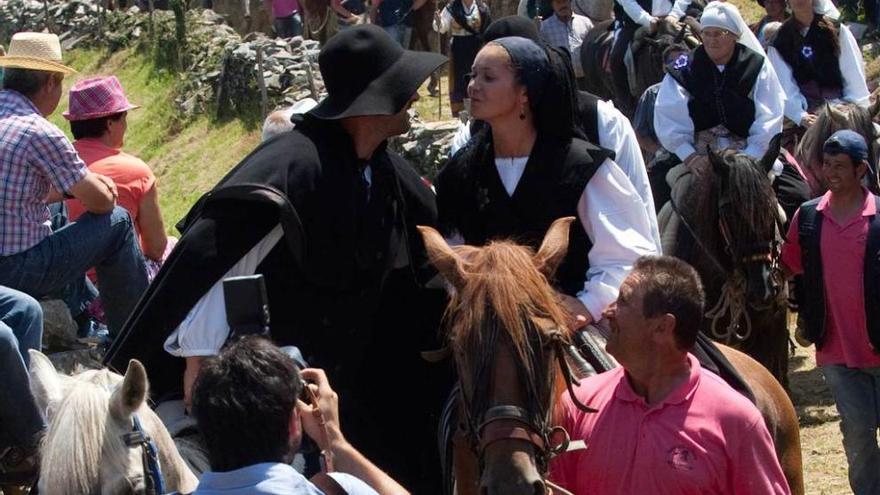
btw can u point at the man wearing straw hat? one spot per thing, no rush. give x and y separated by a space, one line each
39 165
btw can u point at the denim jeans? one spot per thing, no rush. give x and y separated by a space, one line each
57 265
400 32
856 392
21 329
288 27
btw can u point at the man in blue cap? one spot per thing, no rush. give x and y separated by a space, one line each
834 241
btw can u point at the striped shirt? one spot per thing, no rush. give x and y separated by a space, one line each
34 156
569 35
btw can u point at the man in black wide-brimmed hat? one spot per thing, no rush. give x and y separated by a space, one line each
327 214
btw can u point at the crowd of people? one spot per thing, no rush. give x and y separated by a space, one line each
327 213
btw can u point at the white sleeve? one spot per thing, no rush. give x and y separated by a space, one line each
852 67
617 135
352 485
635 11
613 216
445 21
768 98
678 8
795 103
672 120
826 8
461 138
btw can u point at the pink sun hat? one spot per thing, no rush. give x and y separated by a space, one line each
97 97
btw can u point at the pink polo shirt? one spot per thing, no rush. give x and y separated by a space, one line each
704 438
842 247
284 8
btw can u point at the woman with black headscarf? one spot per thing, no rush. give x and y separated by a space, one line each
465 20
530 165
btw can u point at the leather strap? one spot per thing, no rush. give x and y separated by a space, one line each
327 484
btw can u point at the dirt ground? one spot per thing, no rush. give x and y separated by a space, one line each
824 460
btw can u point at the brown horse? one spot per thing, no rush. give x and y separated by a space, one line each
725 222
505 333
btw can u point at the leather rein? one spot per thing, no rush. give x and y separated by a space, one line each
532 425
138 438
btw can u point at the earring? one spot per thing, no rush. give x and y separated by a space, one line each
522 114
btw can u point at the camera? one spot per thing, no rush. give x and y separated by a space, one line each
247 305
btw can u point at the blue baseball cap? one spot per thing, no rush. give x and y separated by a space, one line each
847 142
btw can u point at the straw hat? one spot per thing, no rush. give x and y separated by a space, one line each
35 51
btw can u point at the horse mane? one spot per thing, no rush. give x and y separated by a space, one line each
750 193
830 119
503 285
81 436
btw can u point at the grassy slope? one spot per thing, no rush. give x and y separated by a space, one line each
187 160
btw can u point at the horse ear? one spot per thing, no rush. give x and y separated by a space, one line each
772 153
46 383
129 397
447 262
554 247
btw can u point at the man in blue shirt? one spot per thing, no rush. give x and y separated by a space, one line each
395 17
246 404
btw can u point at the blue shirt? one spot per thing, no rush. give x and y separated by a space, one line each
392 12
272 478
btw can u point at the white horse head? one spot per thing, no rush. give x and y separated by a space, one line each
89 414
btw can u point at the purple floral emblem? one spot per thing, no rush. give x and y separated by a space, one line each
807 52
680 62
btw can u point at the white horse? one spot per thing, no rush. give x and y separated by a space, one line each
90 415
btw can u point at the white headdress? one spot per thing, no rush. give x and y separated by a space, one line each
724 15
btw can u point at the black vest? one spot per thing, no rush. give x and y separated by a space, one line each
473 202
813 306
812 57
720 97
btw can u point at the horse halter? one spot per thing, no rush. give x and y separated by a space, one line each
138 438
732 302
512 422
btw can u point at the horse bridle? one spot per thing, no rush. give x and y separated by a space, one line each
733 291
511 422
139 438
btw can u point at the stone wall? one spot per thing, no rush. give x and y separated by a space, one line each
219 70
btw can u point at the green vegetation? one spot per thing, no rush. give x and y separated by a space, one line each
188 156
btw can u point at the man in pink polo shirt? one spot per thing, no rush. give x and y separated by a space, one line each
664 425
834 241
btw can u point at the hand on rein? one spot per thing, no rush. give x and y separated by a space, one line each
579 317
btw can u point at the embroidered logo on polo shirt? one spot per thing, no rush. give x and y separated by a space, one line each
680 458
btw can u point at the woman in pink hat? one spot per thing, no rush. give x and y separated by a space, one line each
97 115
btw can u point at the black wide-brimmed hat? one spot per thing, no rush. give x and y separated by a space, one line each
366 72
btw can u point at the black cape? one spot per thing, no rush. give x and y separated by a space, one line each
345 283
